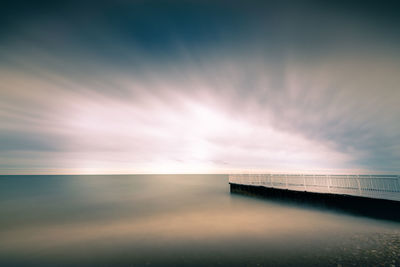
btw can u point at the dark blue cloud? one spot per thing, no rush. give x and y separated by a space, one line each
159 28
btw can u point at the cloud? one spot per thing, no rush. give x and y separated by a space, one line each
168 91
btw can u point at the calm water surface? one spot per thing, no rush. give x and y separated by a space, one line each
135 220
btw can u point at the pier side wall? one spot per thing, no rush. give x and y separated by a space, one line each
371 207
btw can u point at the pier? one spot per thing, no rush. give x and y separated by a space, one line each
372 195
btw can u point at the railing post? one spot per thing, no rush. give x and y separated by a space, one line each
286 181
304 182
328 179
359 185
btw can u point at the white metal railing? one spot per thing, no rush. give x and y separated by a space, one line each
374 186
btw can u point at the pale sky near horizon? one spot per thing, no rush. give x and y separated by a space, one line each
199 87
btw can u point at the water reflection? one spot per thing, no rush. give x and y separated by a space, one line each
170 219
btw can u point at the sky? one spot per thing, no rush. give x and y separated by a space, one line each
190 86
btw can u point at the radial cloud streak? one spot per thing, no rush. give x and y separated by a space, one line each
157 88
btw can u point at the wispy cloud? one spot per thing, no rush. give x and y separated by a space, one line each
102 94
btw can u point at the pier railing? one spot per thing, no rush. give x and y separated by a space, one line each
373 186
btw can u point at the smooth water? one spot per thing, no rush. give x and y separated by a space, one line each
134 220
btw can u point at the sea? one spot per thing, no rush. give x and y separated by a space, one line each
176 220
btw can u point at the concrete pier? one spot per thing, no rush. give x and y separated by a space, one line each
372 195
